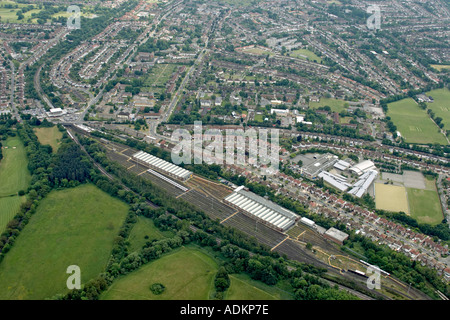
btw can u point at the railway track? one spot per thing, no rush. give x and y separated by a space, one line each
263 234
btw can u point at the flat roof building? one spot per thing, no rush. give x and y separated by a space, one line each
362 167
307 221
335 235
162 166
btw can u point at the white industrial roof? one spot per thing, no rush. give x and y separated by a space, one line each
162 165
261 208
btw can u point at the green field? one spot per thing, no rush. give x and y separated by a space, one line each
187 273
144 227
9 207
259 51
336 105
440 67
242 287
425 205
14 175
70 227
414 124
305 54
441 105
51 136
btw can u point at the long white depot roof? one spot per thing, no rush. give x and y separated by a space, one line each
162 165
261 208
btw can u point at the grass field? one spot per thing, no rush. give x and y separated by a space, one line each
425 205
441 105
414 123
9 207
51 136
142 228
259 51
14 175
391 198
70 227
336 105
440 67
187 273
306 55
242 287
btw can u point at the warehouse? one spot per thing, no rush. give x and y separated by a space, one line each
335 180
362 167
261 209
342 165
162 166
308 222
335 235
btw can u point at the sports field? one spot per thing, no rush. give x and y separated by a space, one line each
306 55
441 105
14 175
259 51
425 204
391 198
440 67
187 273
51 136
70 227
335 105
414 123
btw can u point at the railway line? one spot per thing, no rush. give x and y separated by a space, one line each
200 195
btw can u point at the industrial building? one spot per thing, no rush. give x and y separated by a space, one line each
261 209
363 183
335 235
342 165
362 167
307 221
337 181
162 166
321 163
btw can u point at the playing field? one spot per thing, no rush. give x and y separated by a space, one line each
441 105
414 123
14 174
335 105
425 204
306 55
259 51
70 227
51 136
187 273
391 198
440 67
